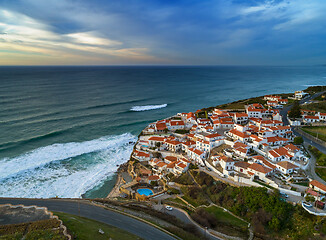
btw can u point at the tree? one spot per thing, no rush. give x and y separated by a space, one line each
298 140
295 111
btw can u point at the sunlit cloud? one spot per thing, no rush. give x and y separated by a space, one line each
162 32
22 35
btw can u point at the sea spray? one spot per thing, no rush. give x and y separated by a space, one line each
147 107
64 170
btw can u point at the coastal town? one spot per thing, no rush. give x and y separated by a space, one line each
242 147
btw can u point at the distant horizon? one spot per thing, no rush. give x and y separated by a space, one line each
167 65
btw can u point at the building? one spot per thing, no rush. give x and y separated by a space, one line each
310 119
317 186
286 167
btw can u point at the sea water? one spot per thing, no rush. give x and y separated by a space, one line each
65 130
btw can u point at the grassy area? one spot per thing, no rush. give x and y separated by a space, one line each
83 228
321 173
318 106
43 229
319 132
226 217
191 201
320 157
183 179
221 221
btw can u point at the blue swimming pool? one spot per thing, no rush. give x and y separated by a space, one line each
145 191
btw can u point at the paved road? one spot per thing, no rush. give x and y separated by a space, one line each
84 209
310 169
185 219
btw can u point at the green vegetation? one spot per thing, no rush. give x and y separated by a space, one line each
315 89
298 140
194 195
295 111
319 107
319 132
267 213
321 97
321 173
241 103
320 157
215 218
181 131
33 230
226 217
83 228
183 179
263 184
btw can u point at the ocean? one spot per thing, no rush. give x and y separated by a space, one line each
65 130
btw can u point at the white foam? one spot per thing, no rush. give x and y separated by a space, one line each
64 171
147 107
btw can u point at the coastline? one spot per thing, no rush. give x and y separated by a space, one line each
115 190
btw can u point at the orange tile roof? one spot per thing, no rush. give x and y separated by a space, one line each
260 168
238 133
241 164
160 126
196 151
318 185
158 139
213 135
171 158
153 178
287 165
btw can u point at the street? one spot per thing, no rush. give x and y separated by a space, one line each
84 209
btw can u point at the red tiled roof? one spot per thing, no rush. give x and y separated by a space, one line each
160 126
153 178
238 133
171 158
260 168
287 165
158 139
318 185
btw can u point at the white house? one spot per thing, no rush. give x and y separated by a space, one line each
286 167
322 116
279 154
240 118
317 186
259 170
310 119
196 155
235 134
152 141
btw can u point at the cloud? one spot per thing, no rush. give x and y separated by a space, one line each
161 32
21 35
288 15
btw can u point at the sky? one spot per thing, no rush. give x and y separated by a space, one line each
166 32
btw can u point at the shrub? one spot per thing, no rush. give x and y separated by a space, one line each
298 140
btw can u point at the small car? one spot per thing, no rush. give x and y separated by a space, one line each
169 208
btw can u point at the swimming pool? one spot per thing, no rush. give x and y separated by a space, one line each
145 191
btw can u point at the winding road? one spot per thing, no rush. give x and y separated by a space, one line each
85 209
310 169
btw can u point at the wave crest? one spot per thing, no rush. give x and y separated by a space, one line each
64 170
147 107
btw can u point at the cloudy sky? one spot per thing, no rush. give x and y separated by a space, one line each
172 32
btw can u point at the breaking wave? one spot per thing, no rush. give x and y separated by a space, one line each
147 107
64 170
